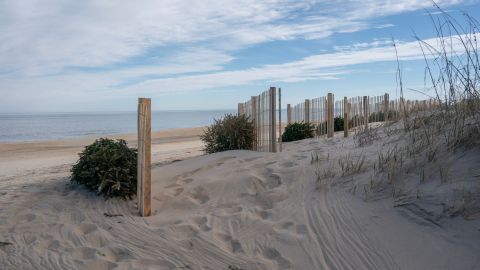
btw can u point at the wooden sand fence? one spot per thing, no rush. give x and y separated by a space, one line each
355 112
265 111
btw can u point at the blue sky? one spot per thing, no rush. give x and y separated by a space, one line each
58 56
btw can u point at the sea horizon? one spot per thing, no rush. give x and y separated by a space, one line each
51 126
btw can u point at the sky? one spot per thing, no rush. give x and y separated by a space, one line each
76 56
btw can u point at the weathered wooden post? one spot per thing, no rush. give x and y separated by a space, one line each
280 119
365 111
386 103
402 107
239 109
253 101
273 130
307 111
345 117
330 115
289 114
144 157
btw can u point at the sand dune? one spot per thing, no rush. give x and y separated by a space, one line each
231 210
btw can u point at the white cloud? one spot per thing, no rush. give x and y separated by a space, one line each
74 48
39 37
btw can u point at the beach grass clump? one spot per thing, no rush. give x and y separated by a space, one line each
298 131
231 132
107 167
365 136
350 164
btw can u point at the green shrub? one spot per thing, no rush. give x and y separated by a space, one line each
298 131
338 123
229 133
108 167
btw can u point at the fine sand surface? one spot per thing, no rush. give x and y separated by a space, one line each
231 210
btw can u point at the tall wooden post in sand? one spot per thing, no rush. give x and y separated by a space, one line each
330 115
273 130
253 100
289 114
345 117
386 103
365 111
144 157
307 111
280 119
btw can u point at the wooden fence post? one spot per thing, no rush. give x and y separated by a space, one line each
330 115
365 111
345 117
144 157
402 107
273 130
253 102
289 114
307 111
280 119
386 103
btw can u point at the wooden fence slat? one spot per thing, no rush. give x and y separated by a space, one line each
273 130
345 117
386 105
365 111
307 111
289 114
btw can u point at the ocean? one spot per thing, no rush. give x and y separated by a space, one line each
58 126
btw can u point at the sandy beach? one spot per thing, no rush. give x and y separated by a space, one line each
167 145
231 210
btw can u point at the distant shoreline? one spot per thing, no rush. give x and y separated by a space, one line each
158 136
61 126
129 137
167 145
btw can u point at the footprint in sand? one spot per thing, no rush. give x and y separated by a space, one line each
173 190
184 181
199 195
255 185
100 264
286 225
261 213
273 180
84 253
201 223
288 164
187 174
274 255
301 229
86 228
232 245
118 253
183 231
54 245
267 200
27 217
